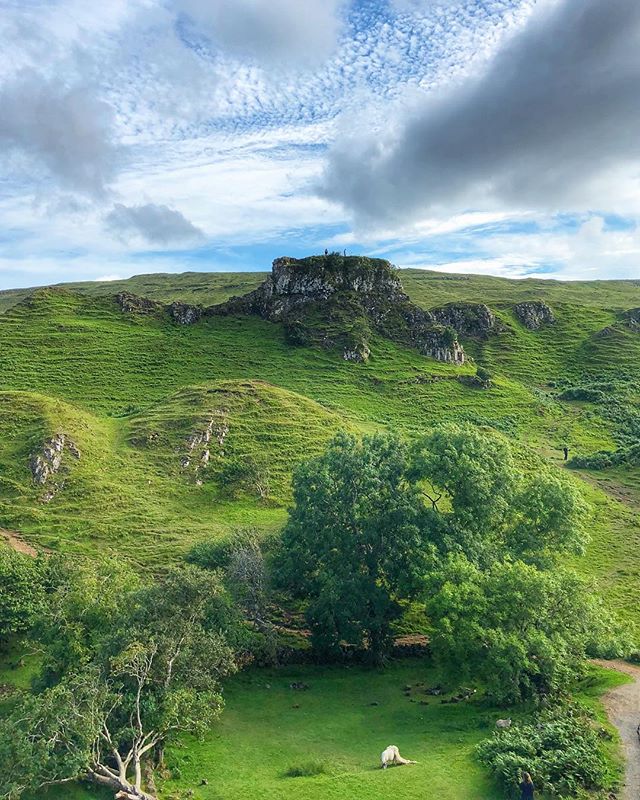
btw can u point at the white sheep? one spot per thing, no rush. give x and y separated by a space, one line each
391 756
503 723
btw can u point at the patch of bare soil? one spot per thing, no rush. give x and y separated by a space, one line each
13 540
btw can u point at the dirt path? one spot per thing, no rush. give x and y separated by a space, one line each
13 539
623 710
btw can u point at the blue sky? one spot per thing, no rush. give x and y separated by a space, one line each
489 136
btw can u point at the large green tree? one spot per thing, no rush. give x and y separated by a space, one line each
483 504
522 631
353 547
126 667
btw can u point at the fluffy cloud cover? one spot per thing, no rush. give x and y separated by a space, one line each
155 223
549 123
67 131
274 32
485 135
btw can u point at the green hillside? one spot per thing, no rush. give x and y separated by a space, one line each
129 390
127 434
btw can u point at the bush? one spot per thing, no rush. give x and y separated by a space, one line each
586 393
244 474
560 749
306 770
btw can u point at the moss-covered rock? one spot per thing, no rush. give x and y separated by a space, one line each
533 314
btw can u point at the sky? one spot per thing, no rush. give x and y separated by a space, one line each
498 137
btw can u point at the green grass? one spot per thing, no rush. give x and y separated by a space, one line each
269 731
277 743
129 390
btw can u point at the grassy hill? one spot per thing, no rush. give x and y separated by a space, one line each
153 413
130 389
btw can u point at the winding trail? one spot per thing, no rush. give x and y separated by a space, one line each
623 709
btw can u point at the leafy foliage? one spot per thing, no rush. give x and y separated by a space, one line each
560 749
125 668
522 631
352 546
23 582
487 508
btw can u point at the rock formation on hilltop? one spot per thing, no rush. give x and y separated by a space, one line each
339 301
533 314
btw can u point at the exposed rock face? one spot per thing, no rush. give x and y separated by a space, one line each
198 445
533 314
185 314
467 319
46 465
632 319
132 304
339 301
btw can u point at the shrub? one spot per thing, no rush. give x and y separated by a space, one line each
585 393
244 474
560 749
306 770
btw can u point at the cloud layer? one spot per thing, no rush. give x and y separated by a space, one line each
156 224
544 127
274 32
66 130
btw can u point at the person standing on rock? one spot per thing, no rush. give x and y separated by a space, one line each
526 787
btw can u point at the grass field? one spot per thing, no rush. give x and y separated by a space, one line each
269 731
130 390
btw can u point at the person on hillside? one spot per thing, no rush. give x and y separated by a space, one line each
526 787
565 450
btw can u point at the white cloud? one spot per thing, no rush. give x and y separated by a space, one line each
544 127
66 130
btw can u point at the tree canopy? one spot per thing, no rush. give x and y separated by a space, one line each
126 667
454 519
353 545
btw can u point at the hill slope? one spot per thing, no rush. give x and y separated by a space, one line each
132 390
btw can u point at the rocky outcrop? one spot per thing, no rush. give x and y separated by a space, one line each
339 301
185 314
199 443
475 320
632 319
47 464
132 304
533 314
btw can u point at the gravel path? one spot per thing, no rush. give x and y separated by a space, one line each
623 710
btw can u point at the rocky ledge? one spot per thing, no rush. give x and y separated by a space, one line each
339 301
47 464
533 314
632 319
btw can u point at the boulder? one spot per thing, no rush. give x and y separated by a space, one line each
475 320
185 314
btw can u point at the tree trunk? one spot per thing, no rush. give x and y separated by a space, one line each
123 789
